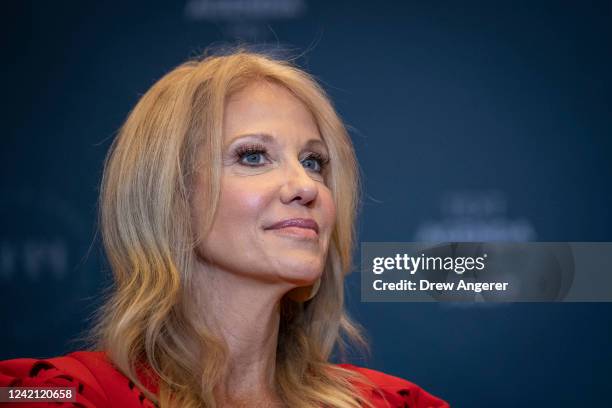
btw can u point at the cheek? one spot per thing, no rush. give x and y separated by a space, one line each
241 202
328 207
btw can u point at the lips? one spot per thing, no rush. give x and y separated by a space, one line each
306 223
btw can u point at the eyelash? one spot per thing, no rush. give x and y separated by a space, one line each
246 150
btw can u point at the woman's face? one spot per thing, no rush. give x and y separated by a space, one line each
274 162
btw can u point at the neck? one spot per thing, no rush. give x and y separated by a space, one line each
246 314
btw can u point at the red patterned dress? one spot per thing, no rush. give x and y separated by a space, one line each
100 385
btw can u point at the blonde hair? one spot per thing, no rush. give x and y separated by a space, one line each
145 220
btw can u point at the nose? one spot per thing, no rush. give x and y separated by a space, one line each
298 186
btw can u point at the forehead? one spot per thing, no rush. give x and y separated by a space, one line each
268 108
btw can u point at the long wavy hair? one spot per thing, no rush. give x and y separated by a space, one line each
145 222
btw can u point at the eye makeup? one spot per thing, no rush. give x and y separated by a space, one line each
243 152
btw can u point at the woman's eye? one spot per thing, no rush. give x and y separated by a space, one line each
253 158
312 164
256 156
251 155
315 162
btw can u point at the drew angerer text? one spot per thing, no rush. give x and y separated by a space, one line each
424 284
414 264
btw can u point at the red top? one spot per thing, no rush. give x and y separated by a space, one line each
100 385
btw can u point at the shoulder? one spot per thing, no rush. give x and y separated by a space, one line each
389 391
98 383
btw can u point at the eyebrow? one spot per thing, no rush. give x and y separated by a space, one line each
267 138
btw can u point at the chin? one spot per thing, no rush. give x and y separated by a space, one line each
303 273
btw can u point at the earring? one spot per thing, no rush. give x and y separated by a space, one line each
304 293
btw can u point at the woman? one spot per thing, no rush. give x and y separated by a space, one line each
227 208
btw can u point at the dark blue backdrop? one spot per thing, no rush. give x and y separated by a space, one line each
471 120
